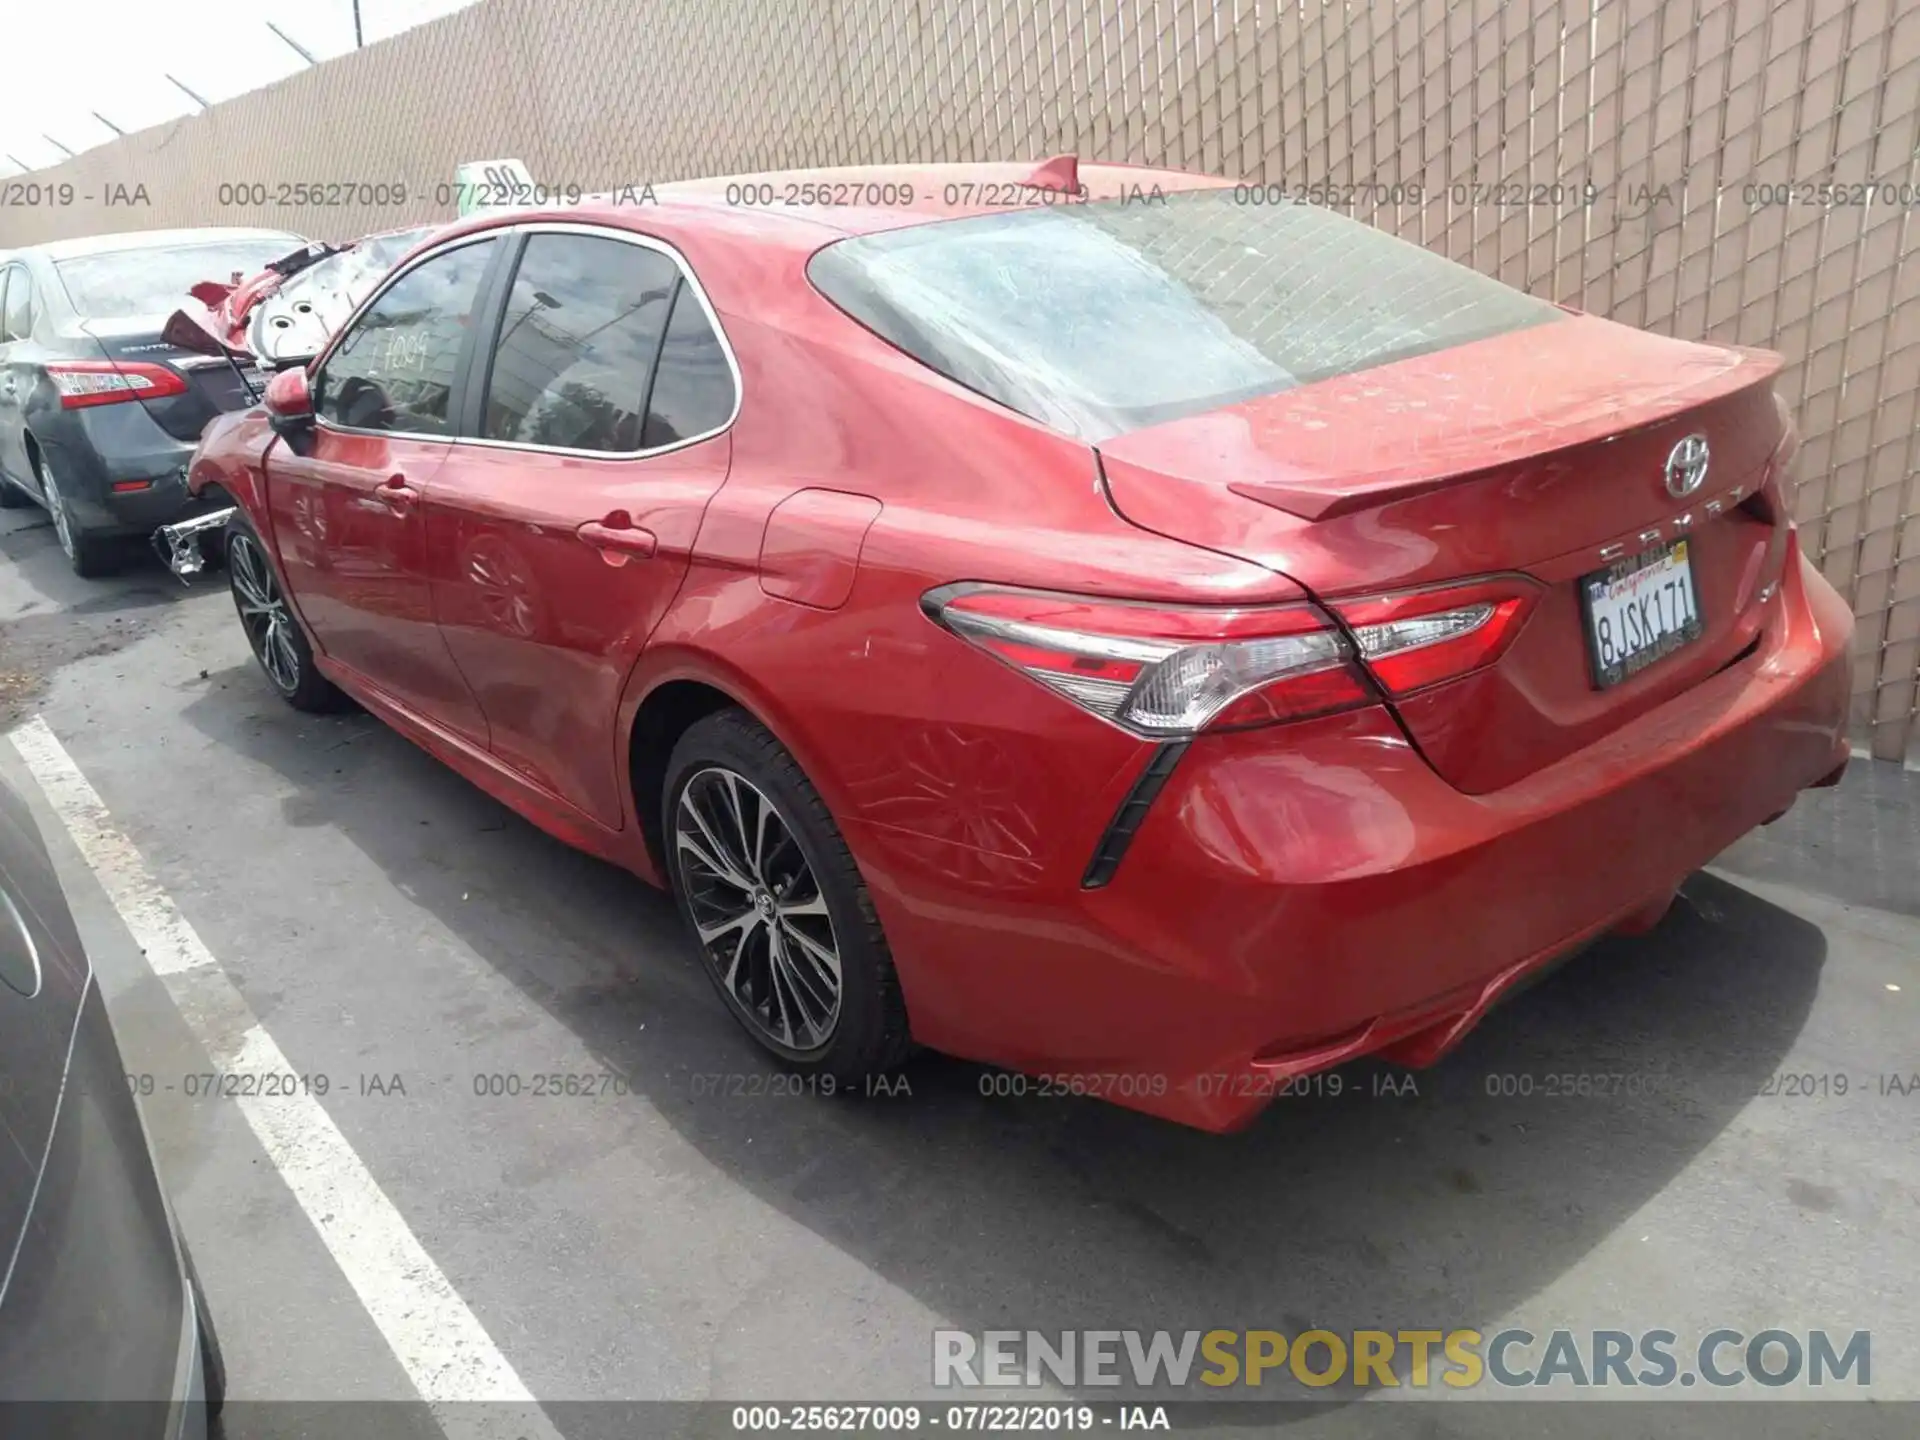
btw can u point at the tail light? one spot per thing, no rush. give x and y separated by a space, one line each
1158 670
105 382
1173 671
1421 637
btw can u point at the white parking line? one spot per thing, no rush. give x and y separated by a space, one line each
445 1351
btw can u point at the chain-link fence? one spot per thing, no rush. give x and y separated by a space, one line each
1741 170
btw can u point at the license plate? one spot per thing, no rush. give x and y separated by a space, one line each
1639 610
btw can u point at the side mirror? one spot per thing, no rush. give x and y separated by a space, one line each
289 405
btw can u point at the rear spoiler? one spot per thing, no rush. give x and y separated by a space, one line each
1332 493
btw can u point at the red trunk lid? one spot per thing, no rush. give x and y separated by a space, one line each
1542 452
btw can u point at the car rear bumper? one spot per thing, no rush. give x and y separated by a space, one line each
1303 895
95 449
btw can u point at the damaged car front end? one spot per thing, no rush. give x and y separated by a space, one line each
266 323
284 316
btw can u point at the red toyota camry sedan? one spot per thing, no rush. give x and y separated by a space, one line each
1079 619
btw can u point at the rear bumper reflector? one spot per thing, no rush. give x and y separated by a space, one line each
1119 832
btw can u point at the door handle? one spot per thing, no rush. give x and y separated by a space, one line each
617 537
397 493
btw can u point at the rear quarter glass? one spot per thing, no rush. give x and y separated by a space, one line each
1102 318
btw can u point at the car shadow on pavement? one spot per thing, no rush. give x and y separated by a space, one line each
1379 1198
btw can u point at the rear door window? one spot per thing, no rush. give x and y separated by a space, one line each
1106 317
395 368
579 339
693 392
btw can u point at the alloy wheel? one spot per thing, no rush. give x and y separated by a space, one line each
758 909
57 508
263 613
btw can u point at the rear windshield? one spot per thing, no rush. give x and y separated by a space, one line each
121 284
1106 317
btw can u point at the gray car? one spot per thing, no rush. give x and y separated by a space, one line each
98 413
102 1328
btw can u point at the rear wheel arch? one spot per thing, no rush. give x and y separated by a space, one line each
89 554
18 490
659 722
821 991
707 683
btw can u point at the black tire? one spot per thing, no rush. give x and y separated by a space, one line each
12 497
868 1034
213 1362
90 556
273 631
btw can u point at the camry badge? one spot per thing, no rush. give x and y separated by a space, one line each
1687 466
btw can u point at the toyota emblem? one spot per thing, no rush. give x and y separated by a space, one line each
1687 466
